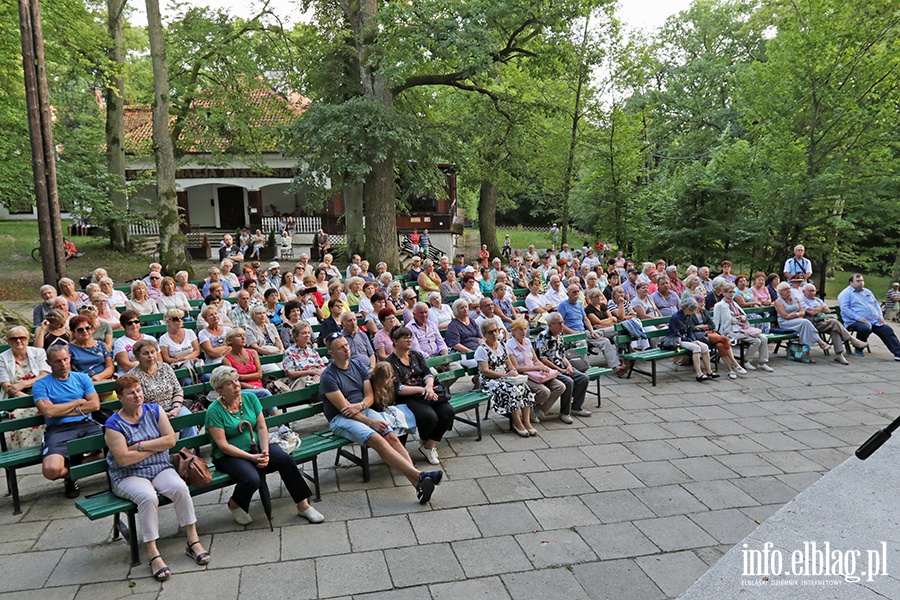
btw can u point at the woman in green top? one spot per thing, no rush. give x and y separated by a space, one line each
231 448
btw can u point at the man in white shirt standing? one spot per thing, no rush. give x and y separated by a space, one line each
798 265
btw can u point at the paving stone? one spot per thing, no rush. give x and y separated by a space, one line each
458 494
561 483
728 526
674 414
696 447
703 468
666 500
719 494
491 556
738 444
614 477
376 533
563 437
673 573
565 458
711 554
765 490
487 588
799 481
555 548
795 422
32 569
508 488
513 463
616 580
639 416
748 465
610 454
654 450
423 565
503 519
143 589
706 413
419 592
606 435
252 547
548 584
90 564
763 424
28 530
747 409
556 513
357 573
220 584
815 438
827 458
777 441
616 540
513 443
55 593
762 512
289 580
397 501
344 505
684 429
469 446
724 426
794 462
660 472
468 467
647 431
444 526
613 507
675 533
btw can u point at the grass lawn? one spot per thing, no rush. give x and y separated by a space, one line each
20 276
877 283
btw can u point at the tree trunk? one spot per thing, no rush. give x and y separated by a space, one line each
43 151
378 192
353 219
573 140
115 126
171 241
487 216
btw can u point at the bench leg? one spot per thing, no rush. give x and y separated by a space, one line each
315 463
12 484
598 393
132 540
478 421
653 372
364 456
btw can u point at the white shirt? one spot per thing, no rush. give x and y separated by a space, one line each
553 297
176 350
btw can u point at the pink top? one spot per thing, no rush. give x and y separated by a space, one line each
761 295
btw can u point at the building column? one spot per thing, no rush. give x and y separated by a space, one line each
254 204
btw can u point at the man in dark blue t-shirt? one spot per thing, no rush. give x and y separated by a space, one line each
347 400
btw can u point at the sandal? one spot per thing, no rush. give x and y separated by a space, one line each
703 378
201 559
713 375
163 573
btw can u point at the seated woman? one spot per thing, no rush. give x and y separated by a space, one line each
123 347
159 383
395 297
495 367
415 269
503 307
451 287
486 284
105 312
428 280
231 446
141 302
471 293
179 347
365 308
212 338
537 305
705 326
692 287
790 316
382 341
186 287
730 320
772 281
54 327
139 437
612 281
117 298
597 311
643 304
409 303
21 366
742 293
415 386
384 396
439 313
245 361
372 322
273 306
353 290
263 337
759 290
89 356
302 363
171 298
103 331
463 335
681 325
542 380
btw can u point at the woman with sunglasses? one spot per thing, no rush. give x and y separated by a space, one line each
140 302
89 356
103 331
495 368
123 347
20 367
179 347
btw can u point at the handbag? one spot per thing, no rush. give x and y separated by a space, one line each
191 468
798 352
542 376
670 342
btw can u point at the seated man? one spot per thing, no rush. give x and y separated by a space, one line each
48 294
66 399
360 348
549 348
575 320
487 312
230 250
556 291
892 303
665 299
718 285
426 335
347 400
839 335
215 276
630 284
861 313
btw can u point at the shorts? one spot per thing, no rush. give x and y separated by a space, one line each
356 432
56 437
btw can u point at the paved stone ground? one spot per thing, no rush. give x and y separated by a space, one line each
637 501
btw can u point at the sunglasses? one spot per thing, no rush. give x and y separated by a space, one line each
335 335
18 338
133 322
155 278
176 319
83 329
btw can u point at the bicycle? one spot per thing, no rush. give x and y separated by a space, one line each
36 252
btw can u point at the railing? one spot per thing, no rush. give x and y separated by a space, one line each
146 227
301 224
434 253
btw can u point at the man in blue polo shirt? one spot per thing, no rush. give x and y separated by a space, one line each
66 400
861 313
575 320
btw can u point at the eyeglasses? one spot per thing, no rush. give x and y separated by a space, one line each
133 322
176 319
494 330
405 338
335 335
83 329
18 338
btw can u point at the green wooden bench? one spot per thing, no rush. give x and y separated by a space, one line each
593 373
461 401
651 355
769 315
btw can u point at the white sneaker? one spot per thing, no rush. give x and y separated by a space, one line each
240 516
430 455
740 370
765 367
311 515
732 375
566 418
749 366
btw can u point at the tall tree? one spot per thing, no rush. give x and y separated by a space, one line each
115 124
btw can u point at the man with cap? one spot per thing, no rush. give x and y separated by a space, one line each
273 279
630 284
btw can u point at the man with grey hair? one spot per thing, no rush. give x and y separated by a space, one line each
215 276
575 320
426 335
718 284
675 284
354 261
798 265
550 349
816 309
240 313
486 312
48 294
703 274
665 299
556 293
360 347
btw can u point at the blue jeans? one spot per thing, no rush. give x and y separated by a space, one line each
187 431
885 332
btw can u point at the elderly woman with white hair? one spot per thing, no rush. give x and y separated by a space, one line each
21 366
104 311
117 298
681 326
159 382
439 313
730 320
790 316
141 302
263 337
187 288
496 369
233 451
67 290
